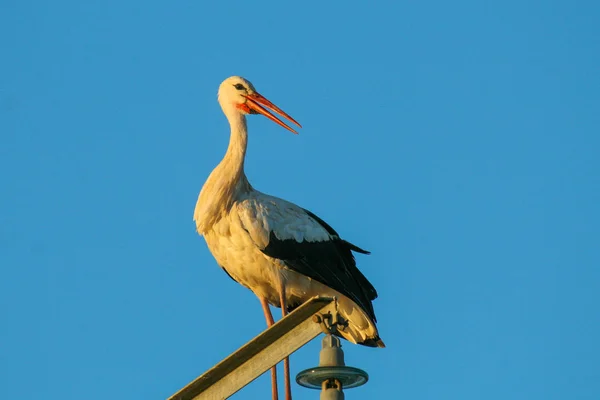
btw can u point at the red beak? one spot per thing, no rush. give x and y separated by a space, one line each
256 101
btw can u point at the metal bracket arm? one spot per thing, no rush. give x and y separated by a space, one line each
261 353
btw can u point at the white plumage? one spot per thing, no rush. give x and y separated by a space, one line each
281 252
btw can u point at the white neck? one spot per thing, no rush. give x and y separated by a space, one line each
238 141
228 180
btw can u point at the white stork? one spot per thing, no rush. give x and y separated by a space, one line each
281 252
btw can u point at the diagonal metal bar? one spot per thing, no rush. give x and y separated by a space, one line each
261 353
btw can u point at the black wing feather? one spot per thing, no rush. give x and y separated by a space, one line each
329 262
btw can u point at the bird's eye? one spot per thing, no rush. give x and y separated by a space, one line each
239 86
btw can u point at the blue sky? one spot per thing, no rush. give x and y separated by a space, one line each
458 141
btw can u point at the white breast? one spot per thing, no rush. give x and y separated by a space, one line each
235 251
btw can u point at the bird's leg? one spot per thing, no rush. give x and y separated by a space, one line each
286 361
270 322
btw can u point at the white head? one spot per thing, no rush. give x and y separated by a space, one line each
237 95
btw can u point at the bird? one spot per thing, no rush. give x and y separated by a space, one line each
283 253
